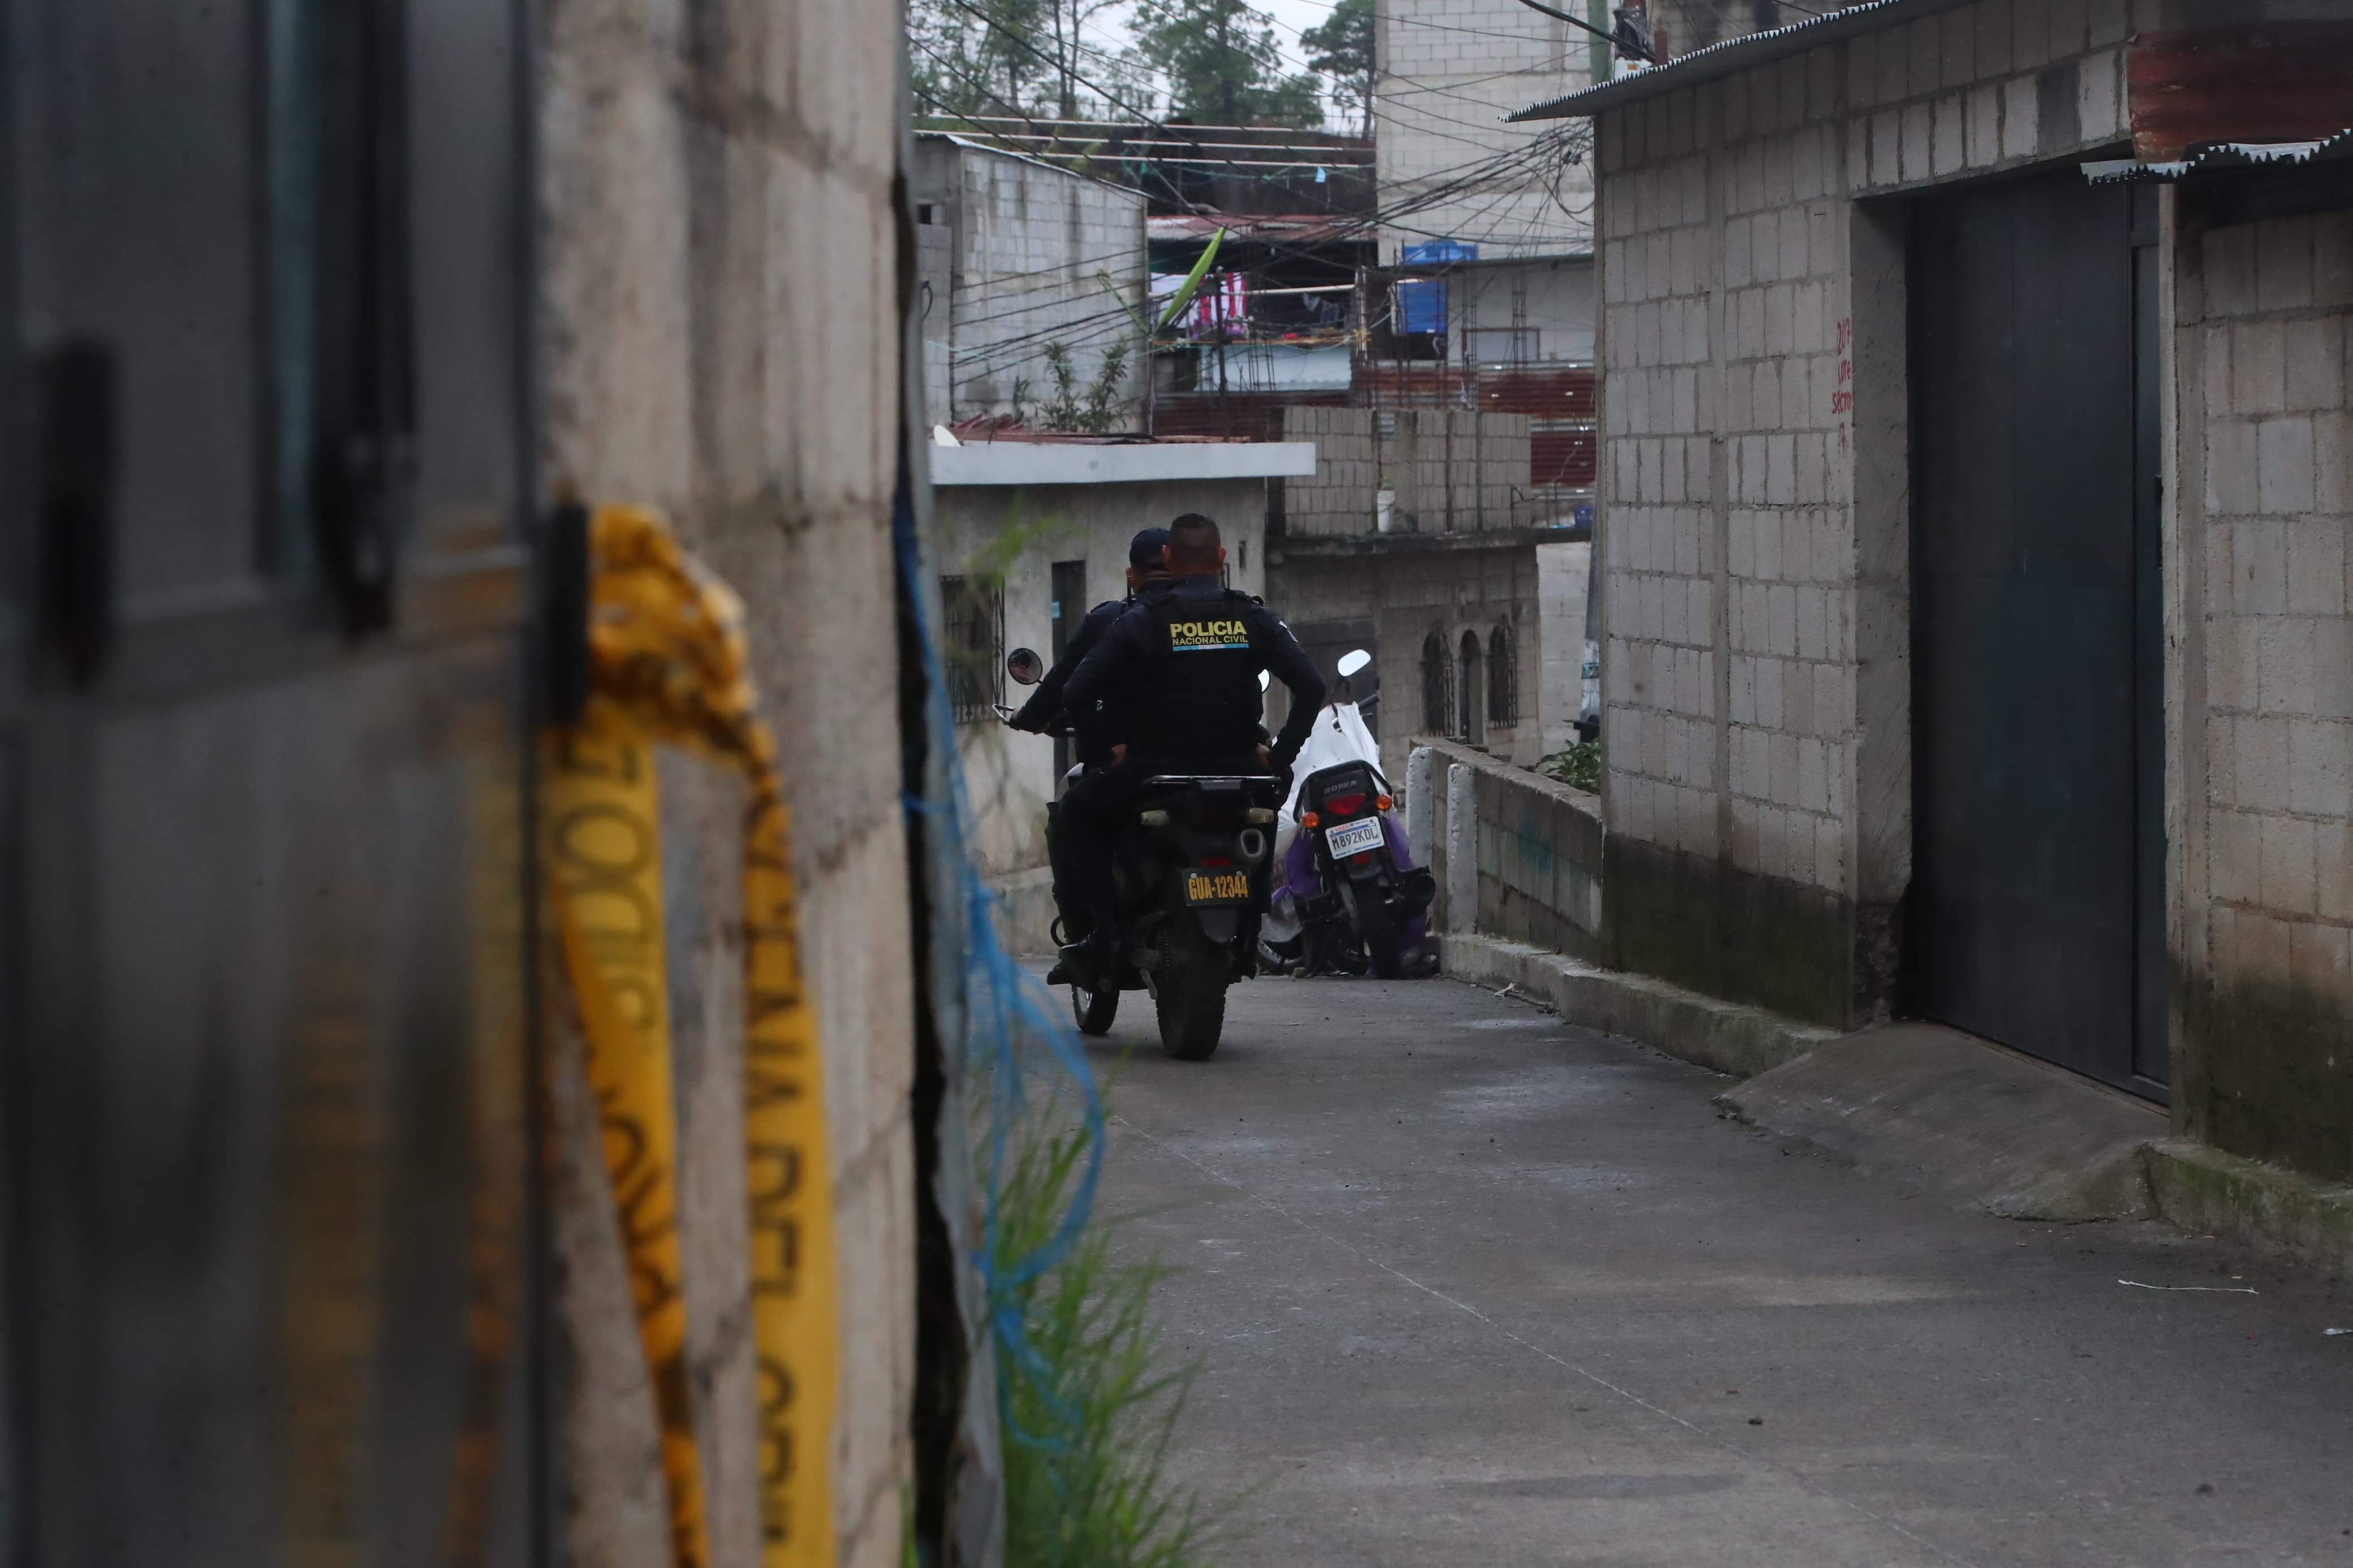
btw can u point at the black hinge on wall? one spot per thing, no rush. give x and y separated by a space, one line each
363 440
77 402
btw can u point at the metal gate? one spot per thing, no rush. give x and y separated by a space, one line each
264 702
2036 888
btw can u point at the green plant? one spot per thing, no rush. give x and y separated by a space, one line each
1091 1400
1578 767
1092 409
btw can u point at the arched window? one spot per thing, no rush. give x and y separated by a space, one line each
1437 689
1473 688
1503 679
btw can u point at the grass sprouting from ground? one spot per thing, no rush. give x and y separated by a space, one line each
1090 1410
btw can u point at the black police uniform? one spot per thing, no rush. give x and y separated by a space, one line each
1039 715
1045 705
1176 677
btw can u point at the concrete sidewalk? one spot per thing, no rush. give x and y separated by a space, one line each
1471 1287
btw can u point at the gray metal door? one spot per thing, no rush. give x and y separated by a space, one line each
264 715
2038 856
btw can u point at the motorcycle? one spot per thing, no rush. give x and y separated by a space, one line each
1348 880
1191 883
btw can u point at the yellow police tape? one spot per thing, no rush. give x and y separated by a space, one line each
669 663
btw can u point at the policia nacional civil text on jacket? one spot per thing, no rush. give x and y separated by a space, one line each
1176 680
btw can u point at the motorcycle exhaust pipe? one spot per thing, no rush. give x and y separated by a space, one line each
1252 844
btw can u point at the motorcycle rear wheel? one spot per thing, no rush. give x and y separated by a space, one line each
1093 1010
1189 992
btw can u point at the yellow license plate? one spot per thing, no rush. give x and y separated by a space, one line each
1216 887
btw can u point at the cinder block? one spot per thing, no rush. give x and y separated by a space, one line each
2230 468
2286 883
2320 773
2069 20
2284 264
1919 119
2316 566
2283 458
2333 868
2098 83
2259 759
2235 857
2018 114
1923 50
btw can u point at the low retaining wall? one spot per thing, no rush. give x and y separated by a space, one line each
1517 856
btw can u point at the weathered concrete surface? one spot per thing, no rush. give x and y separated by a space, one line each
2207 1191
1025 911
1728 1037
1969 1120
1472 1288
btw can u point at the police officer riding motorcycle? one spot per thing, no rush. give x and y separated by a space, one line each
1045 714
1165 851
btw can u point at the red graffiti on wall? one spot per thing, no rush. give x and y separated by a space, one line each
1842 394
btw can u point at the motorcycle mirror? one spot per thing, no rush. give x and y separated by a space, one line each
1025 667
1264 680
1354 662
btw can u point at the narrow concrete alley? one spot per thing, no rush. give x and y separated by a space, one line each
1470 1287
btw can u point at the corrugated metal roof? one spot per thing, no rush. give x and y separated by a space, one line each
1734 55
2231 155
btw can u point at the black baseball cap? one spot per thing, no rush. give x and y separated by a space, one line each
1146 548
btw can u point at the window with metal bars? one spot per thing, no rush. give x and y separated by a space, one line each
1502 678
973 646
1437 686
1473 725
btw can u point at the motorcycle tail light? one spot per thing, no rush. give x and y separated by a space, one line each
1153 819
1217 860
1345 804
1364 859
1381 803
1308 819
1258 813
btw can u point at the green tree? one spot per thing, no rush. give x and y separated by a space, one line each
1342 48
981 57
1222 65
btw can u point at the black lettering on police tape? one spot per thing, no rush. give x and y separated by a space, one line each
777 1453
776 1255
759 1006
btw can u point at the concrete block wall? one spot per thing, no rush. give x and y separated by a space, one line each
1029 245
2265 711
1562 576
1450 71
718 334
1537 844
1753 509
1998 84
1412 596
1452 470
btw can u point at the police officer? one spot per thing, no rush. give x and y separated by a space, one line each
1147 566
1147 561
1176 679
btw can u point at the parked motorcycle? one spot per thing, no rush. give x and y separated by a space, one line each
1191 881
1347 875
1364 898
